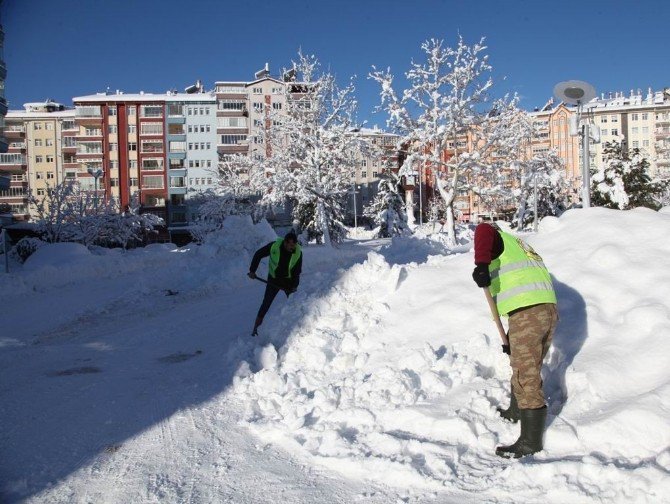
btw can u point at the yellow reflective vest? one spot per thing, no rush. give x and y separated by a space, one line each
519 277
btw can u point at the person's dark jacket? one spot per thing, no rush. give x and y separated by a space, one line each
281 275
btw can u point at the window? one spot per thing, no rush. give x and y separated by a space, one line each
603 119
363 174
231 105
615 132
207 128
153 128
114 164
190 128
603 132
152 111
152 181
176 164
176 129
258 106
39 175
133 181
37 126
209 163
132 128
49 126
114 182
645 143
645 116
113 129
112 110
258 123
177 146
132 146
232 139
39 159
645 130
132 111
364 162
257 90
50 175
207 111
177 182
49 142
190 111
190 163
92 132
276 90
50 159
276 106
113 146
152 146
38 142
40 192
614 118
190 146
374 174
636 143
133 163
634 117
152 164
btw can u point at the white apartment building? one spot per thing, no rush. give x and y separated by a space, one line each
638 120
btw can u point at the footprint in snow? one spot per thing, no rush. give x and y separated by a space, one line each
178 357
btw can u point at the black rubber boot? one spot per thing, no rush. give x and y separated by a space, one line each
512 413
530 440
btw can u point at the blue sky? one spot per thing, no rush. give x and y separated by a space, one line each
65 48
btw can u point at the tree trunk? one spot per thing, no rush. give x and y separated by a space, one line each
323 223
448 197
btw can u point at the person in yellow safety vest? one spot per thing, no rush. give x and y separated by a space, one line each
283 271
522 290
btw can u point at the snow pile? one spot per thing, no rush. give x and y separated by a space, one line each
394 373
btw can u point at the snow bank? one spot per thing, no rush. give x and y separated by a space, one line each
221 261
394 373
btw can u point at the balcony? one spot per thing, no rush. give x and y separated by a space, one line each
88 111
3 106
664 161
663 120
17 147
12 161
662 133
175 110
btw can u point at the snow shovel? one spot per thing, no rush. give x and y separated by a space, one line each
496 317
272 283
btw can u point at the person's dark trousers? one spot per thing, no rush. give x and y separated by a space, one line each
270 293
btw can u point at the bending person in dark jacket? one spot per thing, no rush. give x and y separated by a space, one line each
283 272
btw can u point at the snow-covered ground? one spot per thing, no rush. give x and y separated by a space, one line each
131 377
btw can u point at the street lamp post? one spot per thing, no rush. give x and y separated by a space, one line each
578 93
96 173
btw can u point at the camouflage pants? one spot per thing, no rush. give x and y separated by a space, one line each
530 333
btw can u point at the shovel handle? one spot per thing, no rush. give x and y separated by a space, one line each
496 317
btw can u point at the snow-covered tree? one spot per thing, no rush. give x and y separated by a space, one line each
387 209
623 180
444 110
65 213
312 146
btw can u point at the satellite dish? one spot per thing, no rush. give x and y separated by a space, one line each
574 92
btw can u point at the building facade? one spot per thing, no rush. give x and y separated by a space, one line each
151 148
41 148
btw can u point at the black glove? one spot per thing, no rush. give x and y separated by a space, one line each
252 275
481 275
505 349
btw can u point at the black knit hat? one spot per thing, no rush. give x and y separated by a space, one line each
291 236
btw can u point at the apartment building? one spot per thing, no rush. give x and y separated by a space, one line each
369 168
40 153
638 120
245 110
158 148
